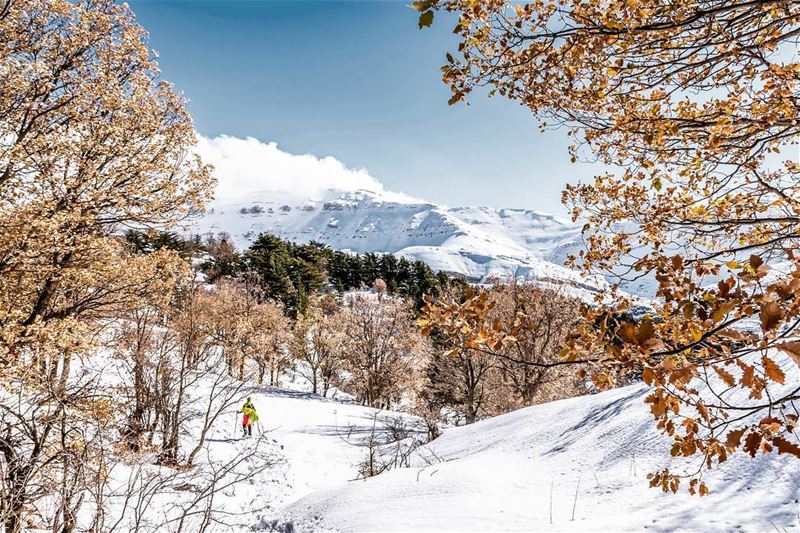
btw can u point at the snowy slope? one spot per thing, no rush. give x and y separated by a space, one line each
474 241
573 465
302 444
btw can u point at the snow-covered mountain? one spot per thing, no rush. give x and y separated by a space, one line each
477 242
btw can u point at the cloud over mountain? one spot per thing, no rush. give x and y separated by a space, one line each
247 167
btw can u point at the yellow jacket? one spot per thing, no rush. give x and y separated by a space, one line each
249 410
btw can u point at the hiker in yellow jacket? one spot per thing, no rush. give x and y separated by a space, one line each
249 417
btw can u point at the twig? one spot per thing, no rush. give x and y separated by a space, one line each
575 502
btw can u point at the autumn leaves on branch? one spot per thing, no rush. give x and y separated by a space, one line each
693 105
91 142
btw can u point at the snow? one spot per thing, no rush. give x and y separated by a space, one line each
313 433
303 443
477 242
573 465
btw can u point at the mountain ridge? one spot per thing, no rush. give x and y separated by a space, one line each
477 242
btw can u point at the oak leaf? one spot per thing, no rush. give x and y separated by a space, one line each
792 349
771 315
773 370
785 446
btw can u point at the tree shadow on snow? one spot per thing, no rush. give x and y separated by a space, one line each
358 434
732 489
594 420
278 392
337 431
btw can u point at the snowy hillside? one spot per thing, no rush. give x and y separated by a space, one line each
302 443
574 465
474 241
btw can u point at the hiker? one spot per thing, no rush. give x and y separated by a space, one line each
249 417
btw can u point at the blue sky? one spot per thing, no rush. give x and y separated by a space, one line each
357 81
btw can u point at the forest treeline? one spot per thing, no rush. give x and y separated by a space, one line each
292 273
353 322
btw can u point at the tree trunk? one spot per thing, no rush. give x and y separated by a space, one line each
470 411
136 423
13 504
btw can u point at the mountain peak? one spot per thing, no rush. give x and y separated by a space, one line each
477 242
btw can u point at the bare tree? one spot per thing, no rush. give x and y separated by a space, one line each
464 381
316 346
246 328
55 433
474 375
383 349
389 443
550 318
180 500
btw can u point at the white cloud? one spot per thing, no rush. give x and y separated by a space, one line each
248 167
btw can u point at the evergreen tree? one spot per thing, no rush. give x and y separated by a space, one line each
225 260
293 273
151 240
268 258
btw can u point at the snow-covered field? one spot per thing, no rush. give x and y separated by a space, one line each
302 444
573 465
